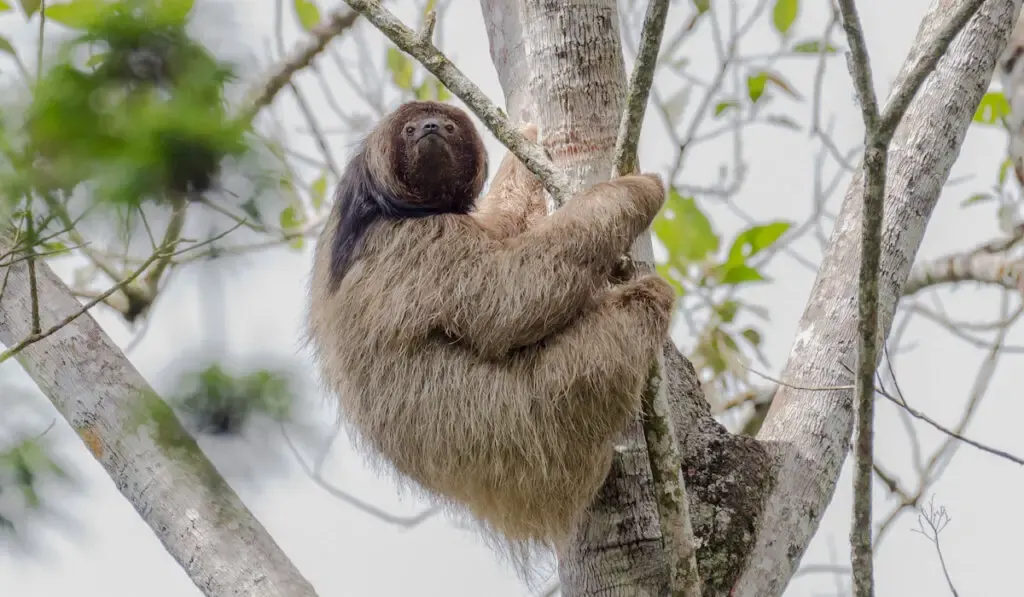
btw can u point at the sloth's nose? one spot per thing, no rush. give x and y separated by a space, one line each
431 125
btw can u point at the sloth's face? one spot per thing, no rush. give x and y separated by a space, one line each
439 159
431 141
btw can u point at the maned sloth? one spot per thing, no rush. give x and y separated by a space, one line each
476 347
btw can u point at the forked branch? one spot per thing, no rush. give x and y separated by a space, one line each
879 131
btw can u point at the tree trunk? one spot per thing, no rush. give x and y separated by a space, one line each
812 428
153 461
560 65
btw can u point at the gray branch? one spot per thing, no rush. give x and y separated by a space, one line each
153 461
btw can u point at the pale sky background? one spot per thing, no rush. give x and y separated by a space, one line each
342 551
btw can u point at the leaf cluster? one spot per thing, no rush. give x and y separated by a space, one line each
143 118
22 468
220 403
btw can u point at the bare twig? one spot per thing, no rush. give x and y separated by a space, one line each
337 22
37 336
950 432
423 50
936 520
179 210
314 473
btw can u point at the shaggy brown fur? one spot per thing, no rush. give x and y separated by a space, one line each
480 352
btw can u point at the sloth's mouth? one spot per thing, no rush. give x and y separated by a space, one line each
437 136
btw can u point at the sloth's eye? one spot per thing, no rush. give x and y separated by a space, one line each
410 130
450 128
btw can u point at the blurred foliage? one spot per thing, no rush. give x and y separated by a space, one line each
219 403
404 70
696 265
23 467
307 13
132 105
411 77
993 109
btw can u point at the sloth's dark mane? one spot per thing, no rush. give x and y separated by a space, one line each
361 201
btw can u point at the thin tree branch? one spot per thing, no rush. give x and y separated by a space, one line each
313 472
936 519
338 21
422 49
875 158
659 433
38 335
927 58
950 432
628 141
978 265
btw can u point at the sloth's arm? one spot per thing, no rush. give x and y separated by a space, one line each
515 293
515 199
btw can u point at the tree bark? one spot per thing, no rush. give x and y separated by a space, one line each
560 65
153 461
811 429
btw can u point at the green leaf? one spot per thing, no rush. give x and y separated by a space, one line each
401 68
290 218
54 247
174 12
755 239
734 275
784 15
976 198
443 94
318 190
753 336
4 7
95 59
727 311
1004 169
702 6
756 85
79 14
6 47
297 243
29 6
993 108
307 12
721 107
425 91
813 46
431 5
665 270
684 230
